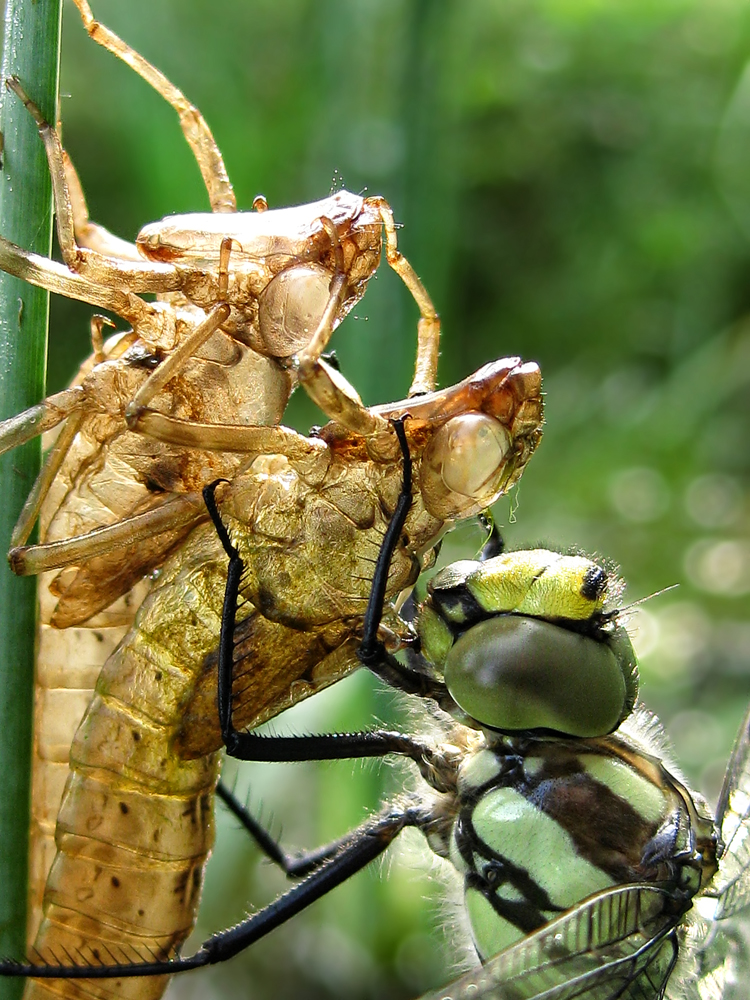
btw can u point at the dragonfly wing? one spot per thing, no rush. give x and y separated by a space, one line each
619 944
714 961
730 887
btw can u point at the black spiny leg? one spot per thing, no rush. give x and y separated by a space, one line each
293 865
350 855
495 543
370 646
413 679
328 746
228 616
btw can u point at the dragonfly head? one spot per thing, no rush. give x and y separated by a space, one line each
525 644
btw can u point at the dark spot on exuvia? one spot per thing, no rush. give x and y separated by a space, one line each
139 357
594 583
191 810
158 675
157 835
136 735
167 474
124 808
99 637
115 882
141 913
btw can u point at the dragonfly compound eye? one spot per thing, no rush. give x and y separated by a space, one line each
517 673
465 465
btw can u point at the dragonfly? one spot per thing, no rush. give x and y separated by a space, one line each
312 513
580 850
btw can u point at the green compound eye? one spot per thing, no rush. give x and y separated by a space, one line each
518 673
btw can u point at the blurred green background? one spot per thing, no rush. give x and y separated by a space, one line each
572 178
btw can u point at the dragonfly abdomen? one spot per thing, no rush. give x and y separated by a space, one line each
68 664
136 824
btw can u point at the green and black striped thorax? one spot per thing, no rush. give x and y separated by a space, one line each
543 824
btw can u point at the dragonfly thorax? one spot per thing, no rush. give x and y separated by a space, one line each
541 828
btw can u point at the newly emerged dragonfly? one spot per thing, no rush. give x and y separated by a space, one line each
136 824
580 849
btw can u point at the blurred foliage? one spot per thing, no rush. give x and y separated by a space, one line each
572 180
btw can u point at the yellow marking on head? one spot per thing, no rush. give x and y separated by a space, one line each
536 582
434 634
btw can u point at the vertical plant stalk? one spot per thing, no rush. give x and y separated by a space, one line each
31 51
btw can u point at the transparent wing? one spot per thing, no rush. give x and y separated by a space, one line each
714 960
619 944
730 887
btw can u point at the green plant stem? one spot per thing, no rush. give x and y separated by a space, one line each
31 51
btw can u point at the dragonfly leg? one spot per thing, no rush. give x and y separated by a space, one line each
354 852
186 349
178 512
52 464
194 127
293 865
428 329
64 406
61 280
351 854
37 419
250 746
327 388
372 652
111 272
435 766
238 438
